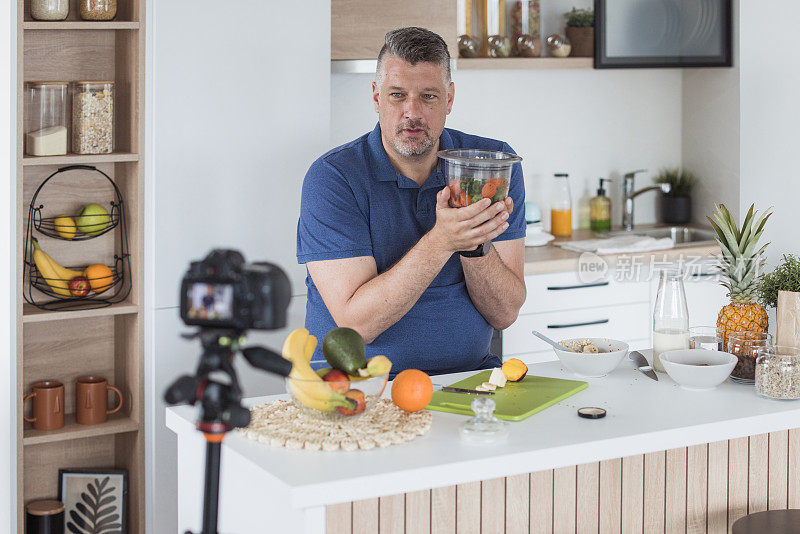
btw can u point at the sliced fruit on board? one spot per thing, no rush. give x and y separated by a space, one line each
514 369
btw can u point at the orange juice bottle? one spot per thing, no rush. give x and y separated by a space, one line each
561 207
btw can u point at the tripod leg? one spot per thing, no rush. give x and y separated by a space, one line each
211 494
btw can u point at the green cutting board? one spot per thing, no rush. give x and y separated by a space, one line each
515 401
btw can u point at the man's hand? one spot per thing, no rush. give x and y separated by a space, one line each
465 228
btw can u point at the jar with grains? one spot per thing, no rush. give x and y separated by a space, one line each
98 9
524 22
92 117
778 372
49 9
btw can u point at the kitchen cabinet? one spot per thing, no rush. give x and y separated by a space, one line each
561 305
66 343
358 27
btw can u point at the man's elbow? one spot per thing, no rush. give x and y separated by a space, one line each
503 322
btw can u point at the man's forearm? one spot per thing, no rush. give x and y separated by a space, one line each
495 290
385 299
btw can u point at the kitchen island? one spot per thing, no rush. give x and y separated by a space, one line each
663 460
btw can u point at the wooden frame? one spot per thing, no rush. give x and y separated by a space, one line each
109 340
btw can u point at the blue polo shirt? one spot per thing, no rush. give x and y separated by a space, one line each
354 203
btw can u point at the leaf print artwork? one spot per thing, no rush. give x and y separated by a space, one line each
97 512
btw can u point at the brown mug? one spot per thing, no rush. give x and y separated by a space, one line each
91 400
48 405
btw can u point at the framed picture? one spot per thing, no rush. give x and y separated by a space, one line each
662 33
94 500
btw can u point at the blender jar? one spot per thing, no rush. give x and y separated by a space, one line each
474 174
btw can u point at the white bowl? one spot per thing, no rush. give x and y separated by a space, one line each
593 365
698 369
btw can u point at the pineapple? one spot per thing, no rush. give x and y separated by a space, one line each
740 265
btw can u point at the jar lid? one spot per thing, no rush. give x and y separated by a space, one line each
93 83
46 507
45 83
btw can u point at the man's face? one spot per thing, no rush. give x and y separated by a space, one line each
412 105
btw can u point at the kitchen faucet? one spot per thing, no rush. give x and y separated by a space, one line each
628 194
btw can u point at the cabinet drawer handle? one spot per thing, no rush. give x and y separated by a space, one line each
587 323
578 286
703 275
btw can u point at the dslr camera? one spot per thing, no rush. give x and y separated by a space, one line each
223 291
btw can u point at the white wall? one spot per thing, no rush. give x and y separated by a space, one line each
770 115
8 270
589 123
711 133
238 110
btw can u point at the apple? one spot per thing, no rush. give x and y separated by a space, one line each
79 286
339 381
361 402
93 219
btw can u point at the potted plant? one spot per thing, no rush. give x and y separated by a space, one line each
676 206
580 32
781 289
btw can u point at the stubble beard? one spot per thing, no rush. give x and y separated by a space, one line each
413 148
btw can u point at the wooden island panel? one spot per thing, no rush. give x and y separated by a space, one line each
696 489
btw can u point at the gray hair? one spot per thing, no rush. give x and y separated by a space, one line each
414 45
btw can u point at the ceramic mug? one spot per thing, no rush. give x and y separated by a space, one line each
91 400
48 405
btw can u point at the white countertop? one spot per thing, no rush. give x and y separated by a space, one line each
643 416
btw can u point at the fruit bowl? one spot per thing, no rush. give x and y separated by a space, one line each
336 400
473 175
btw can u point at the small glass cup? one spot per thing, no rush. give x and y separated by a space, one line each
778 372
705 337
745 346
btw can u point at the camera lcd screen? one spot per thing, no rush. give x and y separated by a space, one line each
210 302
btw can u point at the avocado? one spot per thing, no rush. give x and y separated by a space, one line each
344 350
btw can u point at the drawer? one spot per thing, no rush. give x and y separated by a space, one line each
629 321
565 291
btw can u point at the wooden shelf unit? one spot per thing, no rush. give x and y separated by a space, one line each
63 345
525 63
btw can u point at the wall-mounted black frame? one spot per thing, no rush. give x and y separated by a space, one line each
603 61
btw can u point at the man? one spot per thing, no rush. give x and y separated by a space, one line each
380 240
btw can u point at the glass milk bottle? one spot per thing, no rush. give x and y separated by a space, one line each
670 317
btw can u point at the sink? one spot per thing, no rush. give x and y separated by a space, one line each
680 235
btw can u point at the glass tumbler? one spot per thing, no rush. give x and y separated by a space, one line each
745 346
705 337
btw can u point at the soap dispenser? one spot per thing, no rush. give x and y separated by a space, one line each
600 210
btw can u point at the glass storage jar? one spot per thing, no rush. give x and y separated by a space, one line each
49 9
745 346
778 372
93 117
45 118
98 9
498 43
524 25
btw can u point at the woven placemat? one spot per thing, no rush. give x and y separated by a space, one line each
282 424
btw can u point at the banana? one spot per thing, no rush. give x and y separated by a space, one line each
309 388
57 277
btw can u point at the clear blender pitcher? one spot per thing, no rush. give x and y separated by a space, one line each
473 175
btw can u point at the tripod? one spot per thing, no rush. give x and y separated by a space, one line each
220 401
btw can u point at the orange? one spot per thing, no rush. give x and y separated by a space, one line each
100 277
412 390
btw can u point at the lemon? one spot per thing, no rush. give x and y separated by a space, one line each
65 226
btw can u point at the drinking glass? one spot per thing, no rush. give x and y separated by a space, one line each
670 316
705 337
745 346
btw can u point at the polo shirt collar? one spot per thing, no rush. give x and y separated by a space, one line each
387 172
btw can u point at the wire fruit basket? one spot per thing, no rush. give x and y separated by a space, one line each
51 286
